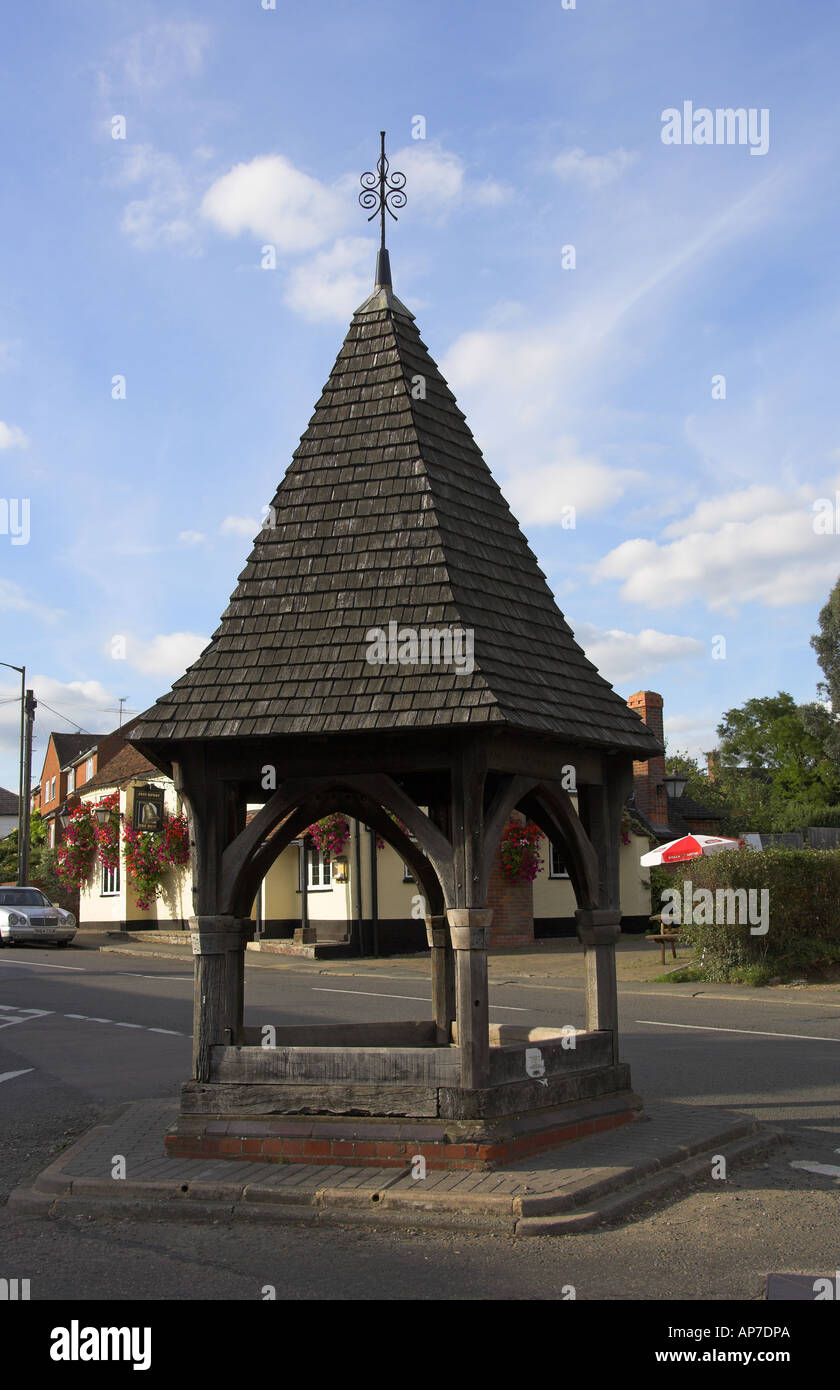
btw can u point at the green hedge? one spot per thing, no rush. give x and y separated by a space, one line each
803 913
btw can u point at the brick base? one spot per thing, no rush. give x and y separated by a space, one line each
262 1141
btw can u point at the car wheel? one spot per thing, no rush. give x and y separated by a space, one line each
62 943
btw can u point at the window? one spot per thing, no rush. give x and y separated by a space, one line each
110 881
556 866
51 790
88 769
319 875
52 834
71 781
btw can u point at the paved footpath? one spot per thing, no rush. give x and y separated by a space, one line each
595 1180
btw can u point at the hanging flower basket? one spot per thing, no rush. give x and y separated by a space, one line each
108 835
519 852
330 835
76 855
149 855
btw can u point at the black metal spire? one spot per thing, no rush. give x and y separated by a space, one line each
382 191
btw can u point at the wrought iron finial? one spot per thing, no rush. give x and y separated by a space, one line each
382 191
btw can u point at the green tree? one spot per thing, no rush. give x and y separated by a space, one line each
822 720
9 848
743 800
767 734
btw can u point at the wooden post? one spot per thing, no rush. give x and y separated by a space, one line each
218 945
599 929
469 930
443 978
469 920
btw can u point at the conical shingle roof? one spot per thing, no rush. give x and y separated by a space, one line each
389 514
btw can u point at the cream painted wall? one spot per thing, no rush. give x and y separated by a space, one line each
176 904
554 897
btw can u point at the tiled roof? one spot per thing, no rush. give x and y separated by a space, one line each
8 802
388 512
68 747
121 768
684 811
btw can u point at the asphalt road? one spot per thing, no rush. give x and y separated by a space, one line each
82 1032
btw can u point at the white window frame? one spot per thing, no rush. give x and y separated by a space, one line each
88 769
315 860
552 872
71 780
111 878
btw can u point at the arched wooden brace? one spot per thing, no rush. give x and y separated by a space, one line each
507 797
550 807
241 893
383 791
288 795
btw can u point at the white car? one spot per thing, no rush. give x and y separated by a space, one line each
26 915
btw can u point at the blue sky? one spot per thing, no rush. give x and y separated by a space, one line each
588 387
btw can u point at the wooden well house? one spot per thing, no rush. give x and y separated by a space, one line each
388 521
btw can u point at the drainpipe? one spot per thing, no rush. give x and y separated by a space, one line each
374 892
357 893
304 886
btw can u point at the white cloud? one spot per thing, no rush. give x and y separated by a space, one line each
694 733
333 283
633 657
165 53
437 178
745 505
594 171
772 556
168 654
276 203
538 496
239 526
12 437
14 599
191 537
164 216
83 704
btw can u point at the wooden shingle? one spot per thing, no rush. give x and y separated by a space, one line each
388 513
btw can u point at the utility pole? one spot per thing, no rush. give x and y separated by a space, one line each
31 704
21 788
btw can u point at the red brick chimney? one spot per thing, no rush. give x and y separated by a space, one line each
651 797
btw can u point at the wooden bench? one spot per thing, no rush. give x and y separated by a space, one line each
664 936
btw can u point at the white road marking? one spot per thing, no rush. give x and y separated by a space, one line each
828 1170
752 1032
43 965
135 974
415 998
10 1014
86 1018
10 1075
